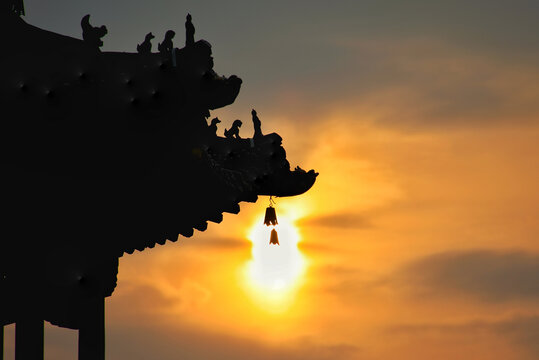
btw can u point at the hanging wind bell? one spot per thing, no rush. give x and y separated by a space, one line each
274 239
271 219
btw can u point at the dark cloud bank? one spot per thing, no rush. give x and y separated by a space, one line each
488 275
493 277
338 220
522 331
188 343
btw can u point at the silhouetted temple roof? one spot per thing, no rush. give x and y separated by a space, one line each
106 153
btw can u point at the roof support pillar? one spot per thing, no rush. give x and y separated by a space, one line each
29 339
92 332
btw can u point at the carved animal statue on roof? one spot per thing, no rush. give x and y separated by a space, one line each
257 125
166 46
92 35
146 46
213 126
189 31
234 131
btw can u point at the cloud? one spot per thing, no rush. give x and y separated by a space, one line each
412 84
337 220
147 300
522 331
145 296
487 275
144 342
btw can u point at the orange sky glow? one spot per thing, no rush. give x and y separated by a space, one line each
419 239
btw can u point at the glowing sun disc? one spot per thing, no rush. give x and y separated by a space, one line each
274 271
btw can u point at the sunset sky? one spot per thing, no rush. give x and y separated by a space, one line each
420 238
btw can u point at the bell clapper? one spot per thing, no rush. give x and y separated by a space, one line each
274 239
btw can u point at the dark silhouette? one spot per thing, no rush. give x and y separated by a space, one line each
18 7
270 219
257 124
271 216
146 46
103 154
92 35
234 131
213 126
165 48
13 7
189 32
274 239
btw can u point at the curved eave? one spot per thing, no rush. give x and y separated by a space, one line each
292 183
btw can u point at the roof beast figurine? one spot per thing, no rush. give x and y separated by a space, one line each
105 153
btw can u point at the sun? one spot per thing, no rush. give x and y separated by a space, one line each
274 271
